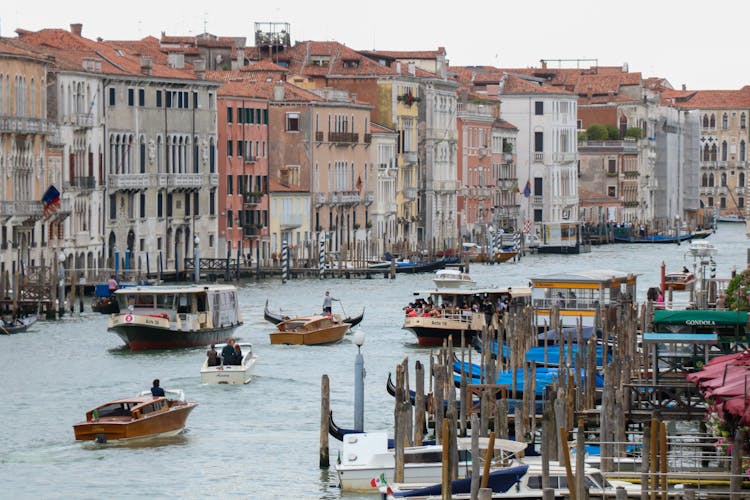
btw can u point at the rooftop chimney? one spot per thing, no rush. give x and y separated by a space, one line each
412 69
684 87
146 65
76 28
199 66
278 91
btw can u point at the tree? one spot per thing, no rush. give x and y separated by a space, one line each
737 291
613 133
597 132
634 132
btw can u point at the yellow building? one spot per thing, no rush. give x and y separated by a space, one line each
25 173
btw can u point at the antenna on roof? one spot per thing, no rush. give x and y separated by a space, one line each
205 22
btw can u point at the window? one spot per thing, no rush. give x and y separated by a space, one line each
141 97
539 108
169 204
712 122
705 121
187 203
195 203
612 167
265 117
142 154
249 115
539 142
211 202
722 202
111 96
240 149
710 201
538 217
724 151
113 206
229 148
292 122
538 186
740 202
724 121
723 180
229 218
159 209
742 151
741 180
229 184
143 206
229 115
158 98
131 97
195 100
743 121
611 191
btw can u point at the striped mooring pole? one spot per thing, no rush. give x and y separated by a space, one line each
490 247
284 262
322 254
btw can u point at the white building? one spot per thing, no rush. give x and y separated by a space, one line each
384 210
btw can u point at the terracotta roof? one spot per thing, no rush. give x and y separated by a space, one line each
248 86
500 123
377 128
606 99
267 66
14 47
515 85
405 54
187 40
342 61
709 99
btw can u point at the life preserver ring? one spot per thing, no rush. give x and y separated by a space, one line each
128 318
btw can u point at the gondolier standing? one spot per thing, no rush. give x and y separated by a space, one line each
327 302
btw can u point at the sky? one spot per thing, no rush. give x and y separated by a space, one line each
663 38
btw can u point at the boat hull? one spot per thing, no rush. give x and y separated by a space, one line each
227 374
358 478
323 336
143 337
432 331
169 423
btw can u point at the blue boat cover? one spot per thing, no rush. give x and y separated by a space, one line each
500 481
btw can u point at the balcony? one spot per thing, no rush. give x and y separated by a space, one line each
344 198
23 125
563 157
249 159
539 157
410 193
708 164
343 137
26 208
82 183
291 221
213 180
185 181
319 137
84 120
369 198
631 174
409 156
319 199
128 182
252 230
368 139
722 164
624 146
445 186
538 200
250 199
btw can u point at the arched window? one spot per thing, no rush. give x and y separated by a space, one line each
714 152
723 179
142 154
705 121
712 121
196 155
159 155
743 121
724 121
724 151
706 153
704 180
710 180
742 150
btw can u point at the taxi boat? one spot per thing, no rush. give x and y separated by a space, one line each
310 330
230 374
140 417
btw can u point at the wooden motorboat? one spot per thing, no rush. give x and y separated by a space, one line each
230 374
278 317
452 278
140 417
164 317
679 281
309 330
10 326
105 305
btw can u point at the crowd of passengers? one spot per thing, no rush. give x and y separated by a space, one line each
230 355
426 308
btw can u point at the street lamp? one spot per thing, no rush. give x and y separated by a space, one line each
61 282
359 383
197 259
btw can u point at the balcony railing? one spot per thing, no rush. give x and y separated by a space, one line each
319 137
624 146
344 197
539 157
249 159
563 157
369 198
23 125
343 137
250 199
84 120
410 156
183 181
445 186
319 199
128 181
252 230
368 138
26 208
213 180
538 200
410 193
83 182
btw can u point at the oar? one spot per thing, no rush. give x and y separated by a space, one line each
342 308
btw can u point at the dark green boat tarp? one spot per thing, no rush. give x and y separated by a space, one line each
700 318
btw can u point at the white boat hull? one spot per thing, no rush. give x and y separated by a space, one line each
229 374
358 478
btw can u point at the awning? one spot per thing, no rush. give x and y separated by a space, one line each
700 318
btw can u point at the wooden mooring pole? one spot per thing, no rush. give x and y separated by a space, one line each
325 412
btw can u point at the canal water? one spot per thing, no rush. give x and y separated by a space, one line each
254 441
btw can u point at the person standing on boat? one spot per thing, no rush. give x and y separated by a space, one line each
227 354
213 356
157 391
328 302
237 355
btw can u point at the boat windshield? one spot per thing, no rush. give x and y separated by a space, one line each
114 410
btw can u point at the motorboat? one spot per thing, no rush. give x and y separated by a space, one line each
527 486
452 312
731 218
366 455
452 278
679 281
230 374
136 418
10 325
278 317
164 317
702 248
310 330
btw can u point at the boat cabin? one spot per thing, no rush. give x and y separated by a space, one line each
127 409
580 294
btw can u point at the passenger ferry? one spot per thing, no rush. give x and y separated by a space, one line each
164 317
579 294
438 314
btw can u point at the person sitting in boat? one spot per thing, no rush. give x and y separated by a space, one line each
685 270
157 391
237 355
213 356
327 302
227 354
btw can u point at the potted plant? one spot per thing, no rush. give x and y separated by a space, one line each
368 225
356 225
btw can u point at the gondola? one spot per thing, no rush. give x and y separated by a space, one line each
18 325
276 318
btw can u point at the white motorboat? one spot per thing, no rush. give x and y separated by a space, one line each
529 486
702 248
230 374
452 278
366 457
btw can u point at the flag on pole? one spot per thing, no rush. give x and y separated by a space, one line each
51 200
527 189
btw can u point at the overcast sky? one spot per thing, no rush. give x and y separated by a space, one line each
700 45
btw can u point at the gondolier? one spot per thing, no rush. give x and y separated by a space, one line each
327 302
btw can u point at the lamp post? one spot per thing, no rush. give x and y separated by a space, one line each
61 283
197 259
359 383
